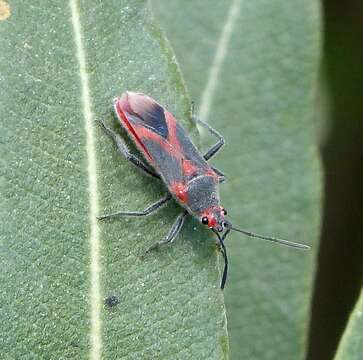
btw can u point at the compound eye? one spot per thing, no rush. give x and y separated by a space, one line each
205 220
224 211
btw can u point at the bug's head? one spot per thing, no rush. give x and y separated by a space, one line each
214 218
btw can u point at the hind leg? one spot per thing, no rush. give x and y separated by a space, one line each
124 150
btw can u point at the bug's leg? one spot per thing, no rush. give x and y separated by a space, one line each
150 209
222 177
217 146
124 150
172 234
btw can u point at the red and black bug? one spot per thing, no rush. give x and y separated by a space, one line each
173 158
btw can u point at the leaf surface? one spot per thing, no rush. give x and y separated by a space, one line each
73 287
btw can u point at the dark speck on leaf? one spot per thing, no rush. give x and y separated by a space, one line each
111 301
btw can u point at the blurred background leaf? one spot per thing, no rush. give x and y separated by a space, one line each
351 345
252 68
57 263
339 274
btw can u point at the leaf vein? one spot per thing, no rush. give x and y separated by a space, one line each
95 268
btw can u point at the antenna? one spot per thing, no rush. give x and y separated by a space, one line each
269 238
224 253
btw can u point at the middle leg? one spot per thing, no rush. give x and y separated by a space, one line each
124 150
218 145
150 209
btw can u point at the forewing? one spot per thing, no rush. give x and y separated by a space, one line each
160 138
168 165
149 113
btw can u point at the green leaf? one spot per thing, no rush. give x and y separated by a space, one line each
351 345
252 69
61 64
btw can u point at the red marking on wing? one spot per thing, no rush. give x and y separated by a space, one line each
123 117
145 133
173 137
138 132
129 104
170 145
189 168
179 190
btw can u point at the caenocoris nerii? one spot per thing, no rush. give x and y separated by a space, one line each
171 157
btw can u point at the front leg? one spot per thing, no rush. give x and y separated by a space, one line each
172 234
222 177
218 145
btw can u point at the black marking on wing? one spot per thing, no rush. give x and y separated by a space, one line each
166 164
189 150
153 117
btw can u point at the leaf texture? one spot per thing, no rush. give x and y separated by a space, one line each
73 287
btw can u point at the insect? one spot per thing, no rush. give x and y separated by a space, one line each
170 156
